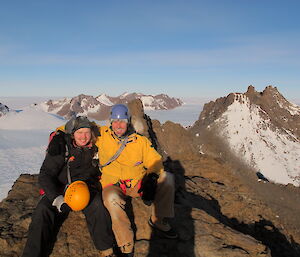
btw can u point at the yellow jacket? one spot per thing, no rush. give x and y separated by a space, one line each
136 159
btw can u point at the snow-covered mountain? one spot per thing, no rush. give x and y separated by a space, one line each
81 104
98 107
3 109
262 128
158 102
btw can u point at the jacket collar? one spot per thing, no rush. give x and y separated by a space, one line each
130 131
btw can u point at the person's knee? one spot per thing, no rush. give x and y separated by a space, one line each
167 180
112 199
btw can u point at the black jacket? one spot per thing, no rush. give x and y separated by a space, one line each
53 173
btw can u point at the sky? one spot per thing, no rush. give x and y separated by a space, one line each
180 48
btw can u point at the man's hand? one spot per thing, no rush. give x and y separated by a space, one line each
57 145
60 204
148 188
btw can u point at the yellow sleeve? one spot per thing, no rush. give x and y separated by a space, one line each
61 128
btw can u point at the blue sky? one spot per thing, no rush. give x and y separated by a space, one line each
181 48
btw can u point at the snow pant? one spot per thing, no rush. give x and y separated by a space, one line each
46 221
115 201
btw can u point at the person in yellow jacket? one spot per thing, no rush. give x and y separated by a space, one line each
131 167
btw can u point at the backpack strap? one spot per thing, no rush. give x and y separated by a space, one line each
117 154
68 170
68 159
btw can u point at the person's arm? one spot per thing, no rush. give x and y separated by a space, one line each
152 160
48 177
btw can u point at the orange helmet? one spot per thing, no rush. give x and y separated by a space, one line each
77 195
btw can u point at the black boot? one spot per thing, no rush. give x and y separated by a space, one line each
127 254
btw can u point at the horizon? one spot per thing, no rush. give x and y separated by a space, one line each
15 102
183 50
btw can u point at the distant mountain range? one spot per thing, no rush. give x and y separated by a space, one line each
98 107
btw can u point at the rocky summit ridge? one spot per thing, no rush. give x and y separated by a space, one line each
261 128
221 209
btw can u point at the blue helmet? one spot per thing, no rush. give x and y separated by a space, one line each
119 112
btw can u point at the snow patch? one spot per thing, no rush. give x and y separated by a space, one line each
293 109
21 151
30 118
104 100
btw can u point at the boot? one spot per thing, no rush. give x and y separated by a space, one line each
163 227
127 250
127 254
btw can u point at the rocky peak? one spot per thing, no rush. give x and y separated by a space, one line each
270 90
82 103
105 99
251 90
283 114
252 94
261 128
3 109
212 110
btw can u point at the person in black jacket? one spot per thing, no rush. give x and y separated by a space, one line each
52 210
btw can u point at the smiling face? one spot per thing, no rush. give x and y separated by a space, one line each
119 127
82 136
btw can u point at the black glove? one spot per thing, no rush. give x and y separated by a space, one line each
57 145
148 188
65 208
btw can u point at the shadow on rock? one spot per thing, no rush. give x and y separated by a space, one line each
183 223
263 230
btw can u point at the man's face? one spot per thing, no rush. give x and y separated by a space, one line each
119 127
82 136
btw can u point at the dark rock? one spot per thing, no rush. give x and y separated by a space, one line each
3 109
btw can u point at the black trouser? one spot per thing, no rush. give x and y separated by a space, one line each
46 221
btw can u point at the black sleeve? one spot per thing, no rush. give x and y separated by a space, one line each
48 177
57 144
